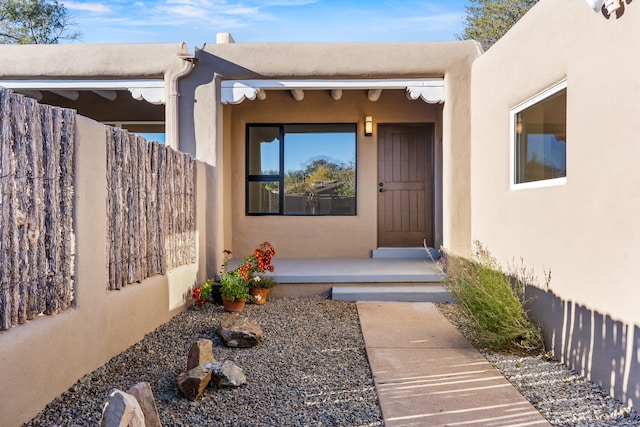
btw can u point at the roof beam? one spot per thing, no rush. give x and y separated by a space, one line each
298 94
374 94
109 95
71 95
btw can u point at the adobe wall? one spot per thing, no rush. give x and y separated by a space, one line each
585 232
44 357
203 128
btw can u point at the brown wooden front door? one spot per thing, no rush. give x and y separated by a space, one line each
405 185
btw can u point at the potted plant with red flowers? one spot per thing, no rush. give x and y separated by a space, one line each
254 268
248 282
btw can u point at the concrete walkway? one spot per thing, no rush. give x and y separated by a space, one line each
427 374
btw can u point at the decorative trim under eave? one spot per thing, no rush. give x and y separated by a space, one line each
430 90
149 90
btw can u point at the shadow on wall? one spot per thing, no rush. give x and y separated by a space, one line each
603 349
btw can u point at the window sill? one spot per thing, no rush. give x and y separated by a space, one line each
539 184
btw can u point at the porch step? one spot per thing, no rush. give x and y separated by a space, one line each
405 253
356 270
396 293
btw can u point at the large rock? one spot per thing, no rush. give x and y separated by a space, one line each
143 394
200 353
121 410
193 382
226 374
238 331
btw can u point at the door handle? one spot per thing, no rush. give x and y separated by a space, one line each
381 184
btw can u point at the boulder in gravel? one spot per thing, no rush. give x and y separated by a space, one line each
121 410
226 374
143 394
200 353
238 331
193 382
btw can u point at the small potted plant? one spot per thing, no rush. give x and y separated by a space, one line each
253 269
259 287
234 291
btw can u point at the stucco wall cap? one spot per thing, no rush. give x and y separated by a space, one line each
90 60
338 60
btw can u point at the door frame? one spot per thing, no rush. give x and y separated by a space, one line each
434 147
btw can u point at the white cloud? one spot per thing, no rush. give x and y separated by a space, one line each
87 7
177 12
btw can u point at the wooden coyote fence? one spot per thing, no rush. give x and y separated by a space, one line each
37 147
150 208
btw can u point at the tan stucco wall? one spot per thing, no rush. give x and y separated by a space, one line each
323 236
44 357
586 232
202 129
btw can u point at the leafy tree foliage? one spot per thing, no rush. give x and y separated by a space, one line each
340 176
34 22
488 20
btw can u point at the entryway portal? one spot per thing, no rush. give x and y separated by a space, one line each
405 185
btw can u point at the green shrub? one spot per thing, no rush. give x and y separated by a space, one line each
492 303
234 287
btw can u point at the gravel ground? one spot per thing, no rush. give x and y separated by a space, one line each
312 370
562 396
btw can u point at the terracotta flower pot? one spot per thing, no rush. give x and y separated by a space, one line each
233 306
259 295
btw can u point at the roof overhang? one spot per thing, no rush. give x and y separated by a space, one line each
149 90
430 90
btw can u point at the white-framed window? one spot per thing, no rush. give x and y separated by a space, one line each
539 140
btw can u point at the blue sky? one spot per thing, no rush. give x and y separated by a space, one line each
197 21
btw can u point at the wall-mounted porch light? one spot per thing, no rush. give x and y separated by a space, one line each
368 126
612 5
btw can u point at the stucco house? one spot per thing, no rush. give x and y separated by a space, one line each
332 150
217 102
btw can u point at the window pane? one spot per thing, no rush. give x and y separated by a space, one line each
263 197
541 148
320 169
264 150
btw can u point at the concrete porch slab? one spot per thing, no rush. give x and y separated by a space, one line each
353 270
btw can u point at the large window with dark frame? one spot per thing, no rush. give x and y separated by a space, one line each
301 169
